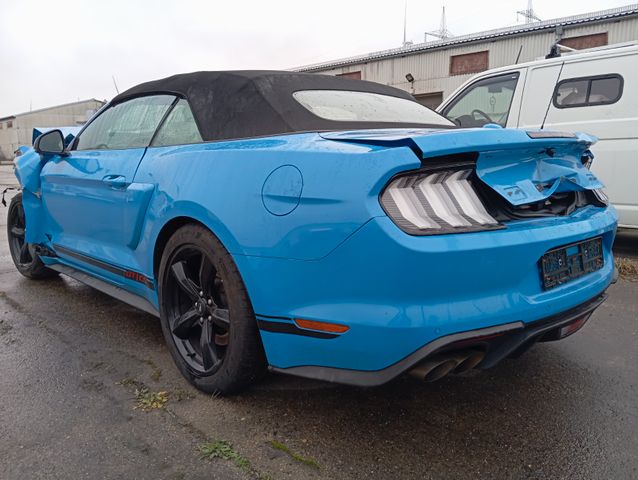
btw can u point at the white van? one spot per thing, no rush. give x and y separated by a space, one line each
593 91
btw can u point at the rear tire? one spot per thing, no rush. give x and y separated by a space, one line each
23 254
206 315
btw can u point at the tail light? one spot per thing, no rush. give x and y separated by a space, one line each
436 202
587 159
601 196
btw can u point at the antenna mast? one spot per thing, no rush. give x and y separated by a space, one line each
405 25
442 33
115 84
529 14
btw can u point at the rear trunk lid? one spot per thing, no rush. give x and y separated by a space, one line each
523 167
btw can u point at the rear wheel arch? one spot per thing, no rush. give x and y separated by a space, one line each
184 213
165 233
172 226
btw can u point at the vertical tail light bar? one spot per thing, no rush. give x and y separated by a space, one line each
436 202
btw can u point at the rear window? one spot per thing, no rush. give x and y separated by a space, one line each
350 106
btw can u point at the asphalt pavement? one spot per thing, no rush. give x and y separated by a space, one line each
81 373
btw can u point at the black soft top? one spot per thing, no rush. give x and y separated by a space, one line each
255 103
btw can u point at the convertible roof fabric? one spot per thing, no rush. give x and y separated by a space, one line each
256 103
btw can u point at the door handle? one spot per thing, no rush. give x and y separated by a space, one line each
115 181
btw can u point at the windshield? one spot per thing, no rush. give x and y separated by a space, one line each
486 101
347 106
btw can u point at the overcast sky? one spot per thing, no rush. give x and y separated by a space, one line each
60 51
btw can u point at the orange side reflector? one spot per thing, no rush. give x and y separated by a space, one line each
321 326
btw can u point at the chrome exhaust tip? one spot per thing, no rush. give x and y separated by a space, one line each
473 358
434 369
439 366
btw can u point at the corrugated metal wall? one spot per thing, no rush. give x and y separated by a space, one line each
61 116
431 68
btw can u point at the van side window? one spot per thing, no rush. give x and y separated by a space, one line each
486 101
588 91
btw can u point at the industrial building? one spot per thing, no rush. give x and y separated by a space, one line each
16 130
433 70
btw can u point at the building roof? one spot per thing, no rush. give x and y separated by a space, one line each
586 18
10 117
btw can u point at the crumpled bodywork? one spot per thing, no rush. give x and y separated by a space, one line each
520 167
536 174
27 167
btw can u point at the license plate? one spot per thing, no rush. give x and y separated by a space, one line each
564 264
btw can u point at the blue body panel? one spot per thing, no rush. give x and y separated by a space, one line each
398 292
85 186
301 216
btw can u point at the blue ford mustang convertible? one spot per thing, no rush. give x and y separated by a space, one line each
323 227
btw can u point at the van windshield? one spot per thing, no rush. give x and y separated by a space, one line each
486 101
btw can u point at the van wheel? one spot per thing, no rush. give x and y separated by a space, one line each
23 254
206 315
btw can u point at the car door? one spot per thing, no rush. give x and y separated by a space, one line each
95 207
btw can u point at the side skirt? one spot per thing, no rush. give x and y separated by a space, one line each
112 290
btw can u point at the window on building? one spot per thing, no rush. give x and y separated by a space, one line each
10 124
430 100
485 101
585 41
130 124
351 75
469 63
179 128
588 91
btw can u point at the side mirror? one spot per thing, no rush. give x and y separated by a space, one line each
50 143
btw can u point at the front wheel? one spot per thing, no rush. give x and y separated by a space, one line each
206 315
23 254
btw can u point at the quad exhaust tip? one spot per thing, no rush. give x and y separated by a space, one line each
441 365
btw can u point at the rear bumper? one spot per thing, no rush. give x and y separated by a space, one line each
399 293
499 342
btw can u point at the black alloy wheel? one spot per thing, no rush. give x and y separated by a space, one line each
197 310
206 315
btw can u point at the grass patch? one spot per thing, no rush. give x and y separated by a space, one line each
225 450
148 400
294 455
627 268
